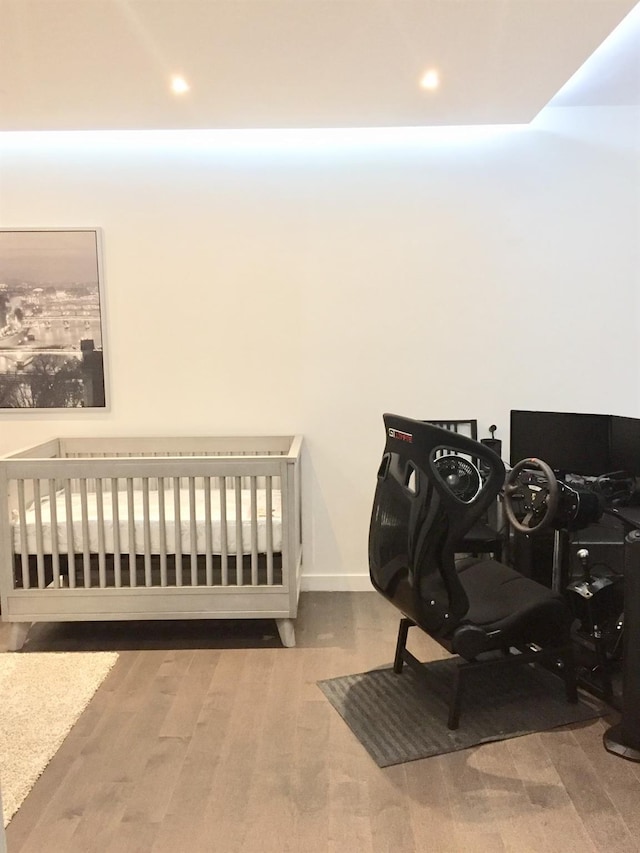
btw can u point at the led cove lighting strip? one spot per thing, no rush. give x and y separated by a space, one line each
252 139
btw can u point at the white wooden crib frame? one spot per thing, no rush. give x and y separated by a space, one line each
83 583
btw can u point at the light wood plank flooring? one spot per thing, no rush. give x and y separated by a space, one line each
211 737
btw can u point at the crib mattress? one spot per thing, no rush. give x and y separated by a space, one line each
162 539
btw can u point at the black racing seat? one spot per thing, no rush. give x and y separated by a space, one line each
477 608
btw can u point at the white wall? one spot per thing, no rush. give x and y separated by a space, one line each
299 287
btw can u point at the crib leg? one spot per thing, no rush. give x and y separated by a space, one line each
287 632
18 635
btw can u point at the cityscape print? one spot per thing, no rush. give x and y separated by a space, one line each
51 336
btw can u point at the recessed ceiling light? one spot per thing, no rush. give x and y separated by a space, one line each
430 79
179 85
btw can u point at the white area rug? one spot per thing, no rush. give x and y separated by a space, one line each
41 697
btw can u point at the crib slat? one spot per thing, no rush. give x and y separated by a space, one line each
177 526
24 546
269 528
133 580
208 545
254 532
224 542
86 556
71 554
162 525
102 566
37 506
115 514
147 531
193 531
55 545
239 543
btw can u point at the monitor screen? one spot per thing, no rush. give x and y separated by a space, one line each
568 443
625 445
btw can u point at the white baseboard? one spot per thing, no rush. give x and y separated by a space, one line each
336 583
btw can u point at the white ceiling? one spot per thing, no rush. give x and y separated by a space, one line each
105 64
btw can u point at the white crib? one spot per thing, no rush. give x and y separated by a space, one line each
151 528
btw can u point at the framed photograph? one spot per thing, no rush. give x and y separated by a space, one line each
51 320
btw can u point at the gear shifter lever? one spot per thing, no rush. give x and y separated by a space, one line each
583 586
583 556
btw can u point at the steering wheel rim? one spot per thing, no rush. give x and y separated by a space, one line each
550 500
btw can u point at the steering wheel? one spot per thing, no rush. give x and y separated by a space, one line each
540 495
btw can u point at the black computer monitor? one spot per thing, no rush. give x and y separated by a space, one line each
569 443
625 445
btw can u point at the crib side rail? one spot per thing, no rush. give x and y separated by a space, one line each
177 446
46 450
125 521
139 467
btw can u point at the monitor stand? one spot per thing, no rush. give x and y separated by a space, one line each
559 542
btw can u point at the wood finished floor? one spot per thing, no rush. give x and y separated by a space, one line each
211 737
